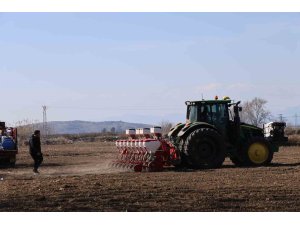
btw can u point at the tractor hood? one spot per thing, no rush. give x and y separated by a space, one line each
250 130
249 126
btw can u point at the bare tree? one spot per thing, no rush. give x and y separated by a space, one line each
113 130
26 128
255 112
165 126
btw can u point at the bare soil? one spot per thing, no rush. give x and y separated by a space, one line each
78 177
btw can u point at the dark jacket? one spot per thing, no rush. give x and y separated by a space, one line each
35 145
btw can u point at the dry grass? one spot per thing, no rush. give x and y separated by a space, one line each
294 140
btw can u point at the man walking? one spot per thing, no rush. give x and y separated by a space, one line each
35 150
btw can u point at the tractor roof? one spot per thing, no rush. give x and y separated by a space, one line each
208 102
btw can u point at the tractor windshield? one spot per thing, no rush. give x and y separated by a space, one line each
216 114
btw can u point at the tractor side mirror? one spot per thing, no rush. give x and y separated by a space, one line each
240 109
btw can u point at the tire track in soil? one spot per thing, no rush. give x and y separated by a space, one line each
78 178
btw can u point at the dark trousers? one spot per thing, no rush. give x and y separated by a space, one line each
38 159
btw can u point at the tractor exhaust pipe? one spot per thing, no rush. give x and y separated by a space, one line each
237 119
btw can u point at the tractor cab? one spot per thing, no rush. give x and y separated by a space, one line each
223 114
212 112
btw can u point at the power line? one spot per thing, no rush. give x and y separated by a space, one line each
291 119
281 118
291 116
116 108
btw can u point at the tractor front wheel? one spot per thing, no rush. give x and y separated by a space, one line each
258 152
204 148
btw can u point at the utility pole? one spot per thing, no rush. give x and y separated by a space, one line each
45 122
281 117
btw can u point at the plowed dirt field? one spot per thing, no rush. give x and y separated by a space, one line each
77 177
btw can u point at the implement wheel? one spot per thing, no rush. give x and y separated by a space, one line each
204 148
258 152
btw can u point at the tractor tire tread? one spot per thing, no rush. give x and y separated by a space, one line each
215 137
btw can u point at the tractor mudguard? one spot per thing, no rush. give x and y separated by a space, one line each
190 127
175 130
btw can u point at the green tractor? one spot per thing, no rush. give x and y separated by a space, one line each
214 131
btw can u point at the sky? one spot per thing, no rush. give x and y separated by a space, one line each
142 67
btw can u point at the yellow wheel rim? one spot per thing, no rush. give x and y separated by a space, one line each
258 153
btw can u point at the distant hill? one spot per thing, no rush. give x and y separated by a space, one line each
80 127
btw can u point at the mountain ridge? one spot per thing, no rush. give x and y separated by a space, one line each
81 126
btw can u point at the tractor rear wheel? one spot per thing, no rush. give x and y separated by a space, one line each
204 148
258 152
183 161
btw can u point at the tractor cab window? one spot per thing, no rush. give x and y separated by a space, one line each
219 113
199 113
192 114
205 114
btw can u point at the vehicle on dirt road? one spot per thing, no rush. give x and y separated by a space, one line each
212 132
8 145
